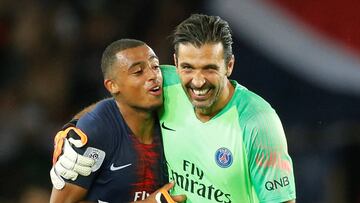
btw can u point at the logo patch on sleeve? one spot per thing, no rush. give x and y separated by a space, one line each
96 154
223 157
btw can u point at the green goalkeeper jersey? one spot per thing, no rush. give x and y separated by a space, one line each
238 156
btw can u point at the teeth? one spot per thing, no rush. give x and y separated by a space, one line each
155 88
200 92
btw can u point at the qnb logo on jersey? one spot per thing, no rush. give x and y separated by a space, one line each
276 184
223 157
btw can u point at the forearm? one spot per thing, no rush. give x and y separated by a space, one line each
69 194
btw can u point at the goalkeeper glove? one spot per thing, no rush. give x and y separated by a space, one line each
67 163
163 197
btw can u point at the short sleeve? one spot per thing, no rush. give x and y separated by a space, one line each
97 147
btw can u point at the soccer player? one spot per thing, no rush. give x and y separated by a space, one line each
222 142
122 133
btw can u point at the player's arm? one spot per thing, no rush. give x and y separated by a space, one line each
75 159
71 193
78 164
67 164
270 164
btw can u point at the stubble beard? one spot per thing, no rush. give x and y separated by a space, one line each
207 108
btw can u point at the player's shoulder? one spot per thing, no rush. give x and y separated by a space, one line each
170 76
101 120
246 97
250 104
103 108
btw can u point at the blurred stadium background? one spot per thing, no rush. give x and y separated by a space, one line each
301 56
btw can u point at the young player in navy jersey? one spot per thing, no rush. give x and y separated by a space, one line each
123 135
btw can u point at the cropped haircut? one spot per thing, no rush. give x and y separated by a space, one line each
109 55
199 29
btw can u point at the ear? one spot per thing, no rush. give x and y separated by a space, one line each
175 60
111 86
230 66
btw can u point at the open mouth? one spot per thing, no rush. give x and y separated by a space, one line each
200 94
156 90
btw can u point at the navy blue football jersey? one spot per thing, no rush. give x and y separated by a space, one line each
125 169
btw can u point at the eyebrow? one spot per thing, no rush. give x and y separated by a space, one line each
211 65
154 57
185 64
139 62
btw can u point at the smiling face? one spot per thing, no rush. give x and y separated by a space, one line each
135 79
203 75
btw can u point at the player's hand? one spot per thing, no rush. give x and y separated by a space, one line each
67 163
162 196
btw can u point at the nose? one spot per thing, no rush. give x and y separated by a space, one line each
152 72
198 80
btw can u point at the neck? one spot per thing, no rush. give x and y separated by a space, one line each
141 122
205 114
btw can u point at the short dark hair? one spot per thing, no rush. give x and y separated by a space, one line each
109 55
199 29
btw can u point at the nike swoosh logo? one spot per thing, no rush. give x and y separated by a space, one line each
163 126
115 168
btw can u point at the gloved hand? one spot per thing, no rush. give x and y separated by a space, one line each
162 195
67 163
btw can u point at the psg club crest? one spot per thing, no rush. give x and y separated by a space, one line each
223 157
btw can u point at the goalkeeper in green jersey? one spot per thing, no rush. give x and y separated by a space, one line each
222 142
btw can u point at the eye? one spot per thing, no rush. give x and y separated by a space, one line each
137 71
210 70
212 67
187 68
